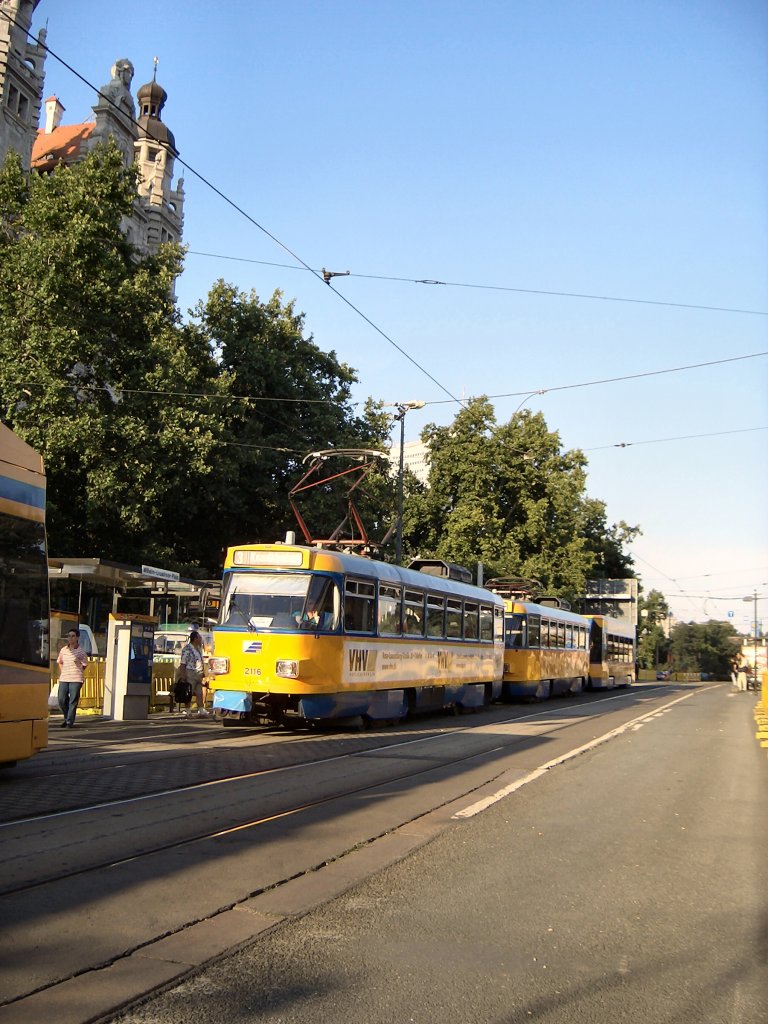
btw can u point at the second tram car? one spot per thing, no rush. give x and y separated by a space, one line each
546 651
322 634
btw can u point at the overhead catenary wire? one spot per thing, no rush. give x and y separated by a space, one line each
616 380
679 437
324 276
510 394
492 287
435 282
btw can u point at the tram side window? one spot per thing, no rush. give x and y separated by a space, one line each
486 622
389 610
620 648
545 633
561 635
453 618
359 606
471 621
319 611
498 624
435 616
413 613
534 631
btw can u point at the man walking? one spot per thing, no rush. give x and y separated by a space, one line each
72 660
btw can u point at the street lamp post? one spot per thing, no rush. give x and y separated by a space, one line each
402 409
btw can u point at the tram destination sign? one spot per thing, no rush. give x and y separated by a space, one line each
159 574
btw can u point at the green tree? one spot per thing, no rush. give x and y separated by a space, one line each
509 496
710 648
88 330
287 398
653 642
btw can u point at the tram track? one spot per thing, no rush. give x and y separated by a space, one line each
240 826
201 759
75 821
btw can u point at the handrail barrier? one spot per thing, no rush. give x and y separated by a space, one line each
92 693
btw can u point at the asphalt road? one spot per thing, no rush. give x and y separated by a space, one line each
520 866
629 884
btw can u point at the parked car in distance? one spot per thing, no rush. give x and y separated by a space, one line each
169 642
662 677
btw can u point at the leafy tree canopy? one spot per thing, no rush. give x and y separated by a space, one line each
711 647
88 330
509 496
287 398
165 441
653 639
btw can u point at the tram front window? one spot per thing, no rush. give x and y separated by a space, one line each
276 600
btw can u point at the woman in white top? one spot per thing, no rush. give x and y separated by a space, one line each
71 661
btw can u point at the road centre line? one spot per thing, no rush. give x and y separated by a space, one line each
484 804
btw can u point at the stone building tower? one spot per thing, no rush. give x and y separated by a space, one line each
141 137
21 78
154 154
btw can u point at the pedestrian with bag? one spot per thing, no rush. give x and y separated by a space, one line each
192 672
71 663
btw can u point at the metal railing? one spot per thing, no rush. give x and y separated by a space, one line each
92 693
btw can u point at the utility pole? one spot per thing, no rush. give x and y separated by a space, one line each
754 635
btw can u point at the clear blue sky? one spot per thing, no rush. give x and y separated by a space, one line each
612 149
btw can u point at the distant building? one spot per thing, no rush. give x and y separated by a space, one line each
21 78
612 597
140 135
415 458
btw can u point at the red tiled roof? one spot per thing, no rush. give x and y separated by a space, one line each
62 145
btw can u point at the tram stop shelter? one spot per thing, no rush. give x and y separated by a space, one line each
87 590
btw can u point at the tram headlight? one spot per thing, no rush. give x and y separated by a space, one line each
287 669
219 666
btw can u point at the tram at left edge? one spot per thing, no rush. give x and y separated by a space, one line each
24 602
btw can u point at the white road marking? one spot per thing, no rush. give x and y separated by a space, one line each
488 801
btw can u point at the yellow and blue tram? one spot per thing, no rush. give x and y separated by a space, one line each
611 652
322 634
546 651
24 601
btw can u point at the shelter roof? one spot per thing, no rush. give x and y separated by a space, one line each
115 574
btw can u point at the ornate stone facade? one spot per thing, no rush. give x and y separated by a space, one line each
21 78
142 138
140 135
